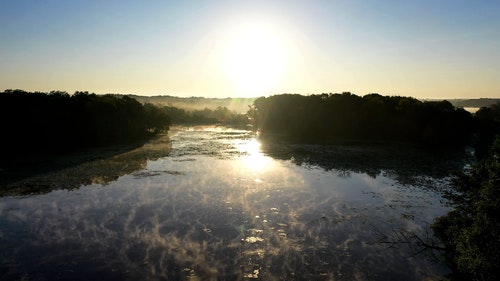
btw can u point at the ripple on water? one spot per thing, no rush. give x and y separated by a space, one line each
216 220
253 239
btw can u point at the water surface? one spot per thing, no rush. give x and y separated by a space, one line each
223 206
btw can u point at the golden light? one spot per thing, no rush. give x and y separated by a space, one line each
256 59
254 159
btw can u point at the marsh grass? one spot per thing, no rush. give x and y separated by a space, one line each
40 175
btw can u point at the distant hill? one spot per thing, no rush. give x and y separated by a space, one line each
481 102
239 105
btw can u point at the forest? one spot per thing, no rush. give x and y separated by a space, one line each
220 115
238 105
348 117
36 123
57 122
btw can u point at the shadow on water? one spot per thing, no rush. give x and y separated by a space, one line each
404 163
39 175
218 208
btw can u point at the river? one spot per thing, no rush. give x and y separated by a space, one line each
224 205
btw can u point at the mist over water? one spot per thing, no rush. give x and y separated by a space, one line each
220 207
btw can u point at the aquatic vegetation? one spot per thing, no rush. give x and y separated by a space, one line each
210 210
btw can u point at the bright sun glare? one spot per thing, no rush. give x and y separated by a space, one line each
254 159
256 60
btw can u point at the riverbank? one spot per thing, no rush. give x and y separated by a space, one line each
100 165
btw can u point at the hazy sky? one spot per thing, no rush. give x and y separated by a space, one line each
424 49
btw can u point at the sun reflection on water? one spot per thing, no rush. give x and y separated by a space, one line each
240 215
253 159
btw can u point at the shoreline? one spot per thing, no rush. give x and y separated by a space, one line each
98 165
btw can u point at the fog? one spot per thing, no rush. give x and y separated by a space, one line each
219 206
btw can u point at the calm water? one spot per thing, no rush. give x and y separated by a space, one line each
222 206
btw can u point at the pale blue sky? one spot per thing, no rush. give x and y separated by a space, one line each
425 49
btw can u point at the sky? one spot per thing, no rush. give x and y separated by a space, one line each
424 49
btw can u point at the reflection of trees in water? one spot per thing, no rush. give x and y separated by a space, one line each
211 221
80 170
406 164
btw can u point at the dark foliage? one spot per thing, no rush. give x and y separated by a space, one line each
43 123
487 127
238 105
372 117
471 232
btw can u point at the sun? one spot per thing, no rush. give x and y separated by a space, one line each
256 60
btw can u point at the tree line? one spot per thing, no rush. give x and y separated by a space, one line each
239 105
345 116
36 122
220 115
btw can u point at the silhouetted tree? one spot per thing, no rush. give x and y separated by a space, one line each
57 122
471 231
345 116
206 116
487 124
